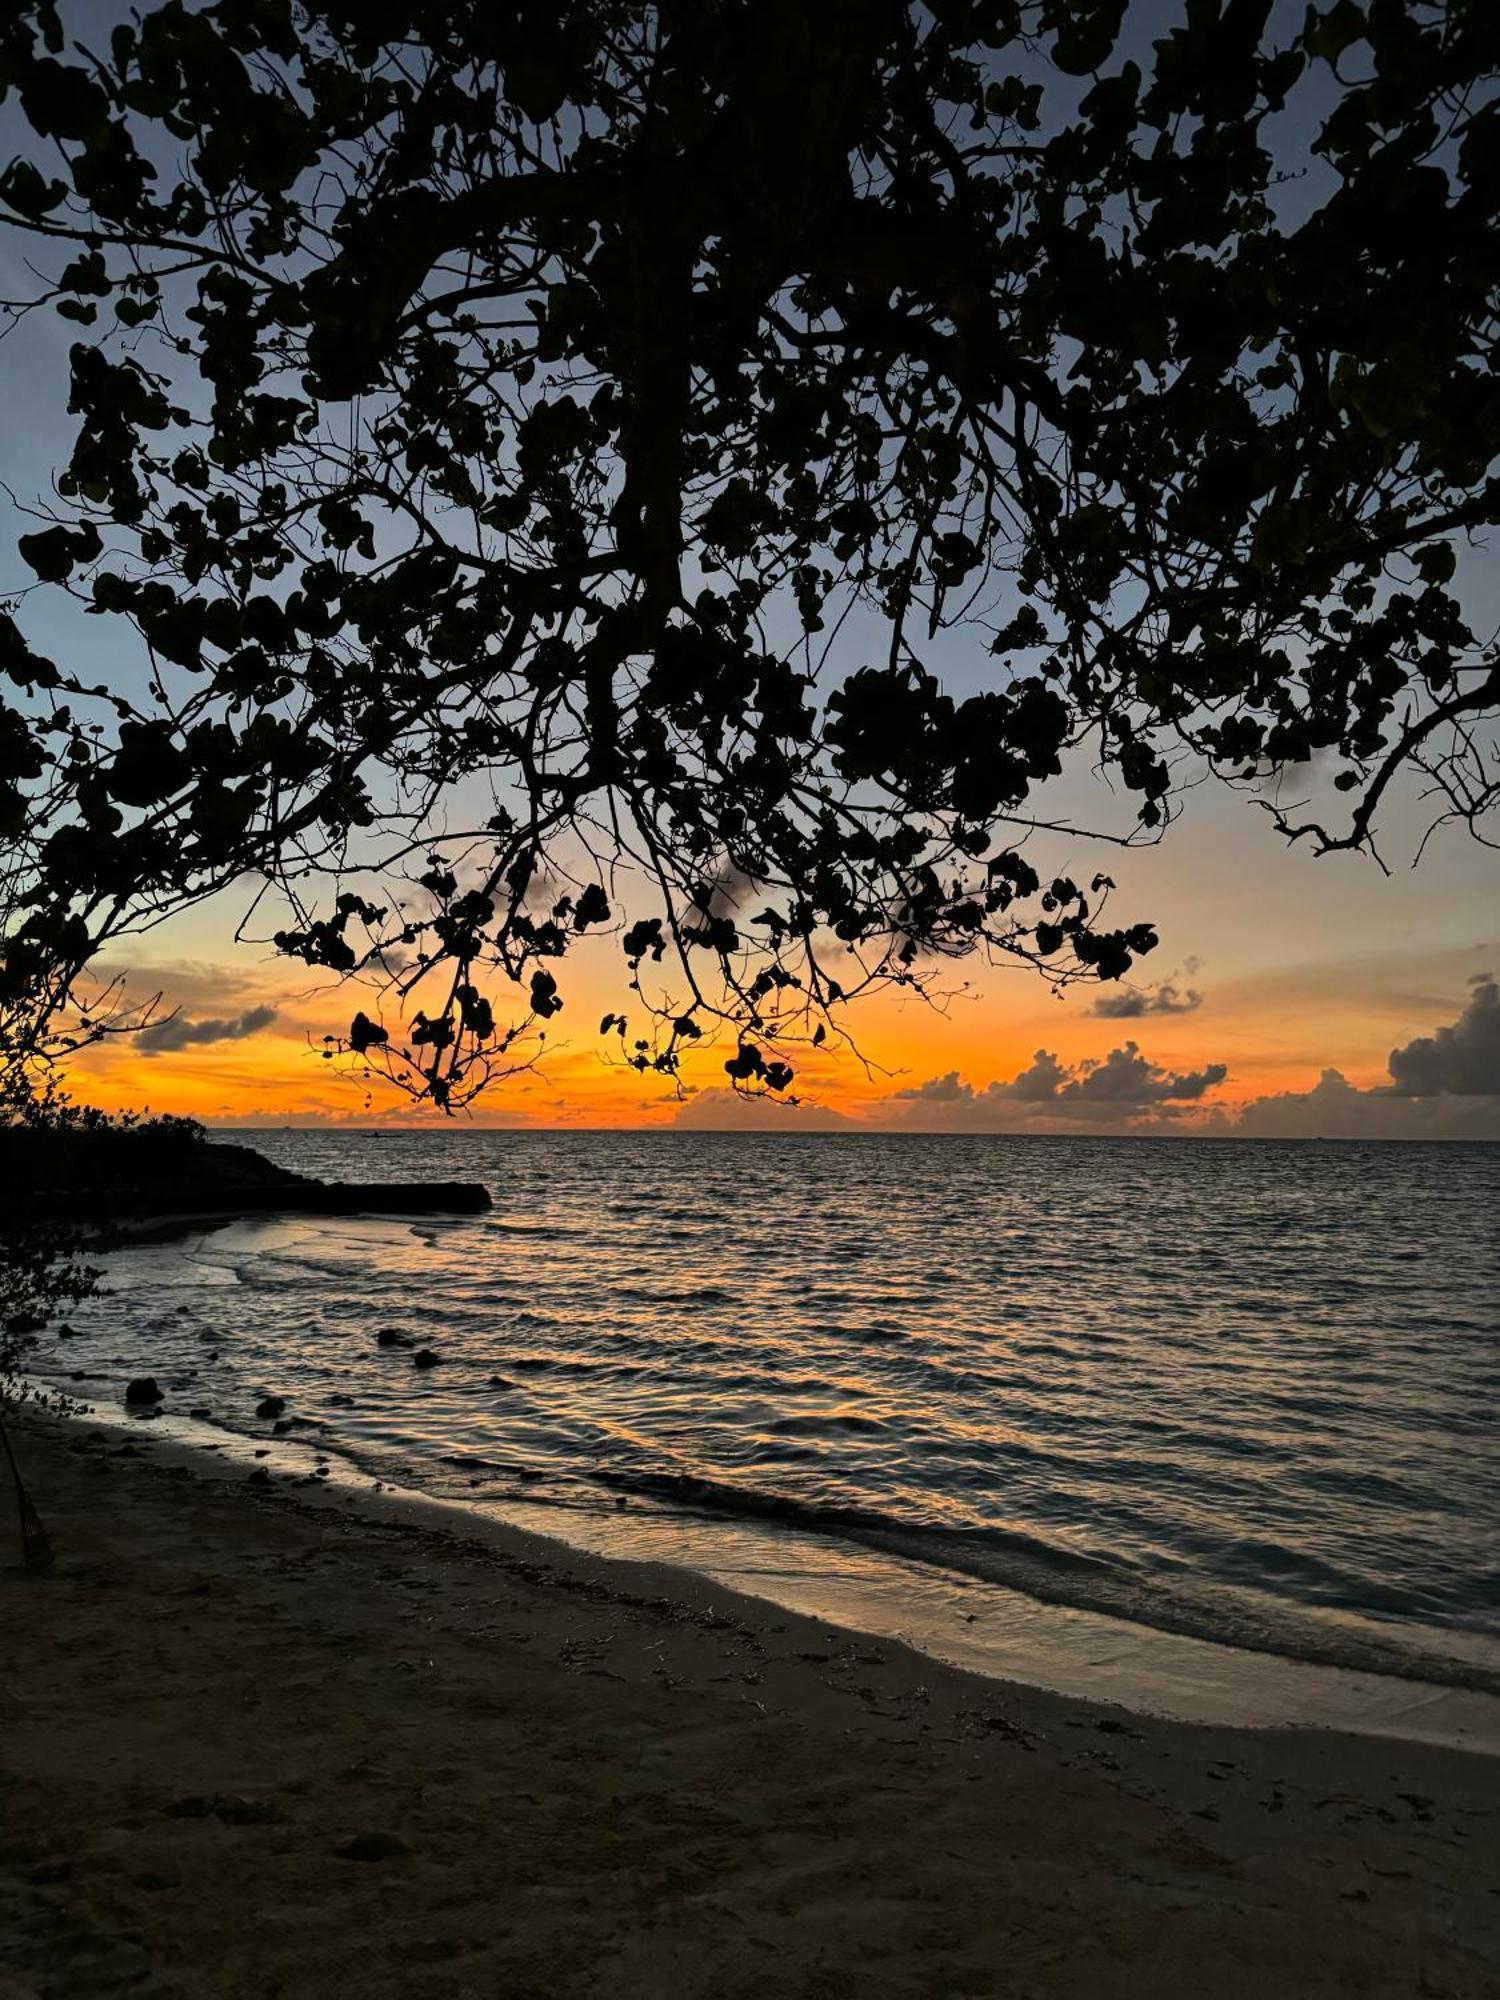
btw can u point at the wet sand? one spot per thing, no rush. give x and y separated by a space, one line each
268 1739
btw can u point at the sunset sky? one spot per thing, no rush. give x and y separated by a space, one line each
1280 966
1272 965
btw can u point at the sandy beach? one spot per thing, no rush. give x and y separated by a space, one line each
269 1739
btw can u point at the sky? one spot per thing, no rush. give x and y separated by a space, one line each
1289 996
1275 967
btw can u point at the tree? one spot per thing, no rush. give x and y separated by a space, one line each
51 1147
549 448
41 1270
45 1139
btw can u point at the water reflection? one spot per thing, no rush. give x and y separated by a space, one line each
1223 1387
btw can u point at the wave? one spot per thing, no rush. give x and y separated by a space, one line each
550 1231
1053 1573
1129 1357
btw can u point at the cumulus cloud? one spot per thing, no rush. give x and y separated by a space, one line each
1443 1086
1043 1081
946 1089
1125 1088
1459 1061
1337 1109
1130 1003
183 1032
1127 1077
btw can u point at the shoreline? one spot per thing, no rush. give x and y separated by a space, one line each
988 1628
390 1757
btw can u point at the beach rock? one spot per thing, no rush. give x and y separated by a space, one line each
392 1336
425 1358
200 1413
372 1847
259 1477
142 1390
342 1402
270 1406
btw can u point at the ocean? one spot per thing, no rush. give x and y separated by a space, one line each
1238 1394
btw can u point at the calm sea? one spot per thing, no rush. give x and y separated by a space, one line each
1245 1392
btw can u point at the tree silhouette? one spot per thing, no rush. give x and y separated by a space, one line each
555 451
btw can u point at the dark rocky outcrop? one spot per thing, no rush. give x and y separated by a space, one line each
142 1391
167 1171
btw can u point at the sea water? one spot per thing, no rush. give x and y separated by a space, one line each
1240 1393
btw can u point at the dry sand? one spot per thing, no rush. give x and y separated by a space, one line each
269 1740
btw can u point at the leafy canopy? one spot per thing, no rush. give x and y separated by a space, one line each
555 451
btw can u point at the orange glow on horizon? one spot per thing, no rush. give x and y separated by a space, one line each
278 1076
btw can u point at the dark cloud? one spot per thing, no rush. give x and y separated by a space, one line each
1459 1061
947 1089
1130 1003
182 1032
1443 1086
1124 1088
1040 1084
1125 1077
1337 1109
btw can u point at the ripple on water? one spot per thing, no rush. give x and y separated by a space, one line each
1258 1382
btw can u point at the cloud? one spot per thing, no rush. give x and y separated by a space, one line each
1039 1084
947 1089
1129 1003
1337 1109
182 1032
1443 1086
1459 1061
1125 1089
1127 1077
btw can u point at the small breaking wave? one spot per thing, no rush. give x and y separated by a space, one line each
1053 1573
